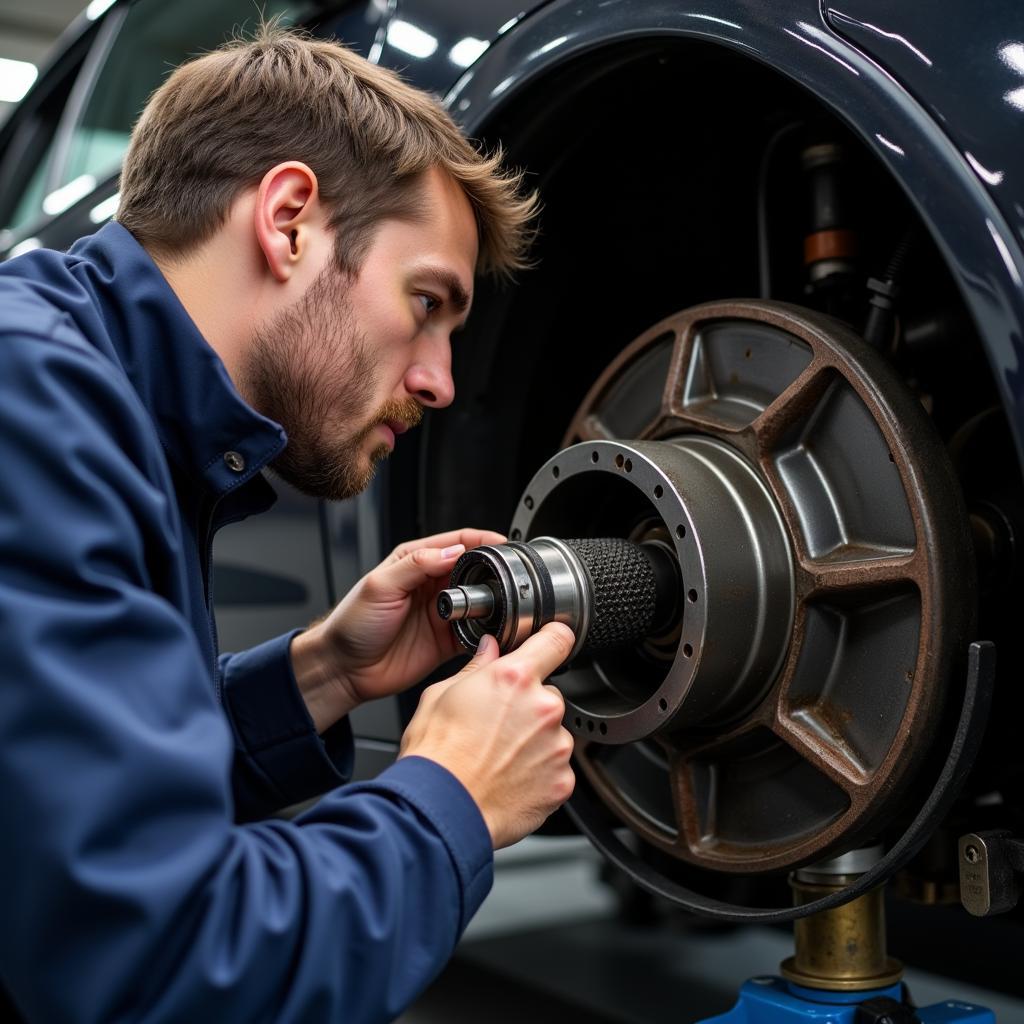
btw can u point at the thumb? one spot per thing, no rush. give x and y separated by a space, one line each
486 652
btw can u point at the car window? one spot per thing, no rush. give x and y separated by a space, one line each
155 37
28 155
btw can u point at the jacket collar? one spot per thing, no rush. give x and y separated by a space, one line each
206 428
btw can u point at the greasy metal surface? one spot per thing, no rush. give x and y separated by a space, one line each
843 949
814 739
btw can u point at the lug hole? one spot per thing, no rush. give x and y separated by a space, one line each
680 531
594 456
688 650
663 704
604 728
579 723
619 460
590 726
555 471
691 595
528 501
659 491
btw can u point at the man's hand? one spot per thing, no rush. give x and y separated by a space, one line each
498 729
386 634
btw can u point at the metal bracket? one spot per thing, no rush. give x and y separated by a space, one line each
991 872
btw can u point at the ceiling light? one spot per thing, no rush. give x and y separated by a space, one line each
104 211
96 8
67 195
16 78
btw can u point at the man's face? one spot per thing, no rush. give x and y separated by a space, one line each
352 364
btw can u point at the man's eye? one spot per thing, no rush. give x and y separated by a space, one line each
430 304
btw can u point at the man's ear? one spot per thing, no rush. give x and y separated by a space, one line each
287 206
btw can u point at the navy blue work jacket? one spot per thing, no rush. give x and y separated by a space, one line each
135 882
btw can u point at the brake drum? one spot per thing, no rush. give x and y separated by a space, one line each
826 586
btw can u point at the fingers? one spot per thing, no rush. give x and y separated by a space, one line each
543 652
467 537
413 569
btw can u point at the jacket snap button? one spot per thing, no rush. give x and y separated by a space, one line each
234 461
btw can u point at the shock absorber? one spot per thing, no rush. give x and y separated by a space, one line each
610 592
830 245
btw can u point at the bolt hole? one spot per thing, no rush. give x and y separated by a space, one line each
594 456
590 726
619 460
516 534
691 595
680 532
663 704
555 471
604 728
659 491
628 467
971 854
528 501
688 650
579 722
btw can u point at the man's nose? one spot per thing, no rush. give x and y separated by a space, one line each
429 379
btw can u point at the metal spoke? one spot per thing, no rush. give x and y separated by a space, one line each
679 369
824 749
593 428
684 800
795 403
857 569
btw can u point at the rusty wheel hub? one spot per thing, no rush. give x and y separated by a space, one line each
825 569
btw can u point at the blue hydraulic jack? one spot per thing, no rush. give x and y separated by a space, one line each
840 973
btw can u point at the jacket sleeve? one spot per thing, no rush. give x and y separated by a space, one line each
129 894
279 757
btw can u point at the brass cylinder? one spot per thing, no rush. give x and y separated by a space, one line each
842 949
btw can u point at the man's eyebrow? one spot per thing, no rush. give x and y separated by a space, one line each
447 279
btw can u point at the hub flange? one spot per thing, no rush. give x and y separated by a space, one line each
737 581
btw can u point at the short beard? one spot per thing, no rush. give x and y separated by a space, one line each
311 370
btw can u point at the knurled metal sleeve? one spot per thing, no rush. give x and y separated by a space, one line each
624 590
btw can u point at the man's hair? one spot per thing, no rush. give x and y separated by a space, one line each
221 121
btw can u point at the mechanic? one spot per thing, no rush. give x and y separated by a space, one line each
297 239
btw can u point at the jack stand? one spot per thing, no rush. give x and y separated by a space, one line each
840 973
